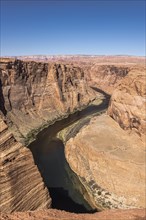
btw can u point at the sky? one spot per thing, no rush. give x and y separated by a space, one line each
96 27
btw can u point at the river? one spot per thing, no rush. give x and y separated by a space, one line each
48 153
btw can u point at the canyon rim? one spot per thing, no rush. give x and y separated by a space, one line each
73 110
72 137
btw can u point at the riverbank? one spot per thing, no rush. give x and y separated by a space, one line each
65 188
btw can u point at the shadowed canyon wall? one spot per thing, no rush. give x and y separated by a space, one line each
31 96
40 93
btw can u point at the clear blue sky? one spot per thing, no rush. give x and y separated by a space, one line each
72 27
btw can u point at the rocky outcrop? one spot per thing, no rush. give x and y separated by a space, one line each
36 94
109 163
32 95
21 185
52 214
128 102
105 158
106 77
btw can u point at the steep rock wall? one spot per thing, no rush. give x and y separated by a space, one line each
37 93
21 185
128 102
106 77
34 94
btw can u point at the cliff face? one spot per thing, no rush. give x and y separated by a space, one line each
34 94
106 77
21 185
128 102
31 95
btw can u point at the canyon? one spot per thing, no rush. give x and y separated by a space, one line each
72 137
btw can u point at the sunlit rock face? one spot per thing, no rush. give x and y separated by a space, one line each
106 77
32 95
110 163
21 185
128 102
52 214
36 93
108 158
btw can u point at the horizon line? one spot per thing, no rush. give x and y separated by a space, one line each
55 55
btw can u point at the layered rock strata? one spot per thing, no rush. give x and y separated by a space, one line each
109 163
106 77
36 94
128 102
21 185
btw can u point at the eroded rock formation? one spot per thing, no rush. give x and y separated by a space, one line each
32 95
40 93
109 163
106 77
21 185
105 157
107 160
128 102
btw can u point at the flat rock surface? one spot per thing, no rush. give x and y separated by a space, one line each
110 163
52 214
